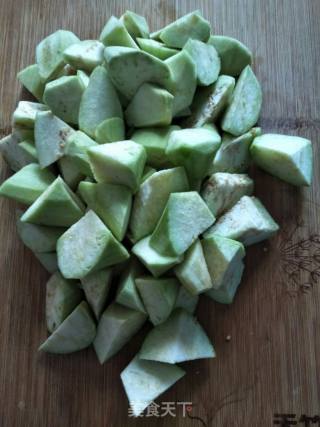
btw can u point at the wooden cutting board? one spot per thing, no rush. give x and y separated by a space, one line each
271 364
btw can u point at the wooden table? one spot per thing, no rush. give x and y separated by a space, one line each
272 362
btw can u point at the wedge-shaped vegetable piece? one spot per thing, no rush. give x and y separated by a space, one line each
25 113
29 149
209 102
178 339
234 55
30 78
48 260
84 78
63 96
128 294
155 48
118 163
96 287
140 66
193 271
76 149
223 190
115 33
186 300
111 202
62 297
183 80
21 133
147 172
158 296
13 154
155 141
49 53
206 60
185 217
152 198
248 221
70 172
57 206
150 106
244 109
116 327
190 26
86 55
99 102
26 185
233 155
38 238
156 263
194 149
51 134
224 259
144 381
136 25
110 130
88 246
75 333
286 157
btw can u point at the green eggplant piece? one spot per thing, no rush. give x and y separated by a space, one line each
286 157
118 163
179 339
30 78
147 172
63 96
155 141
224 260
110 130
96 287
85 55
223 190
158 296
111 202
51 134
156 263
247 221
25 113
56 206
29 149
183 81
244 109
151 199
70 172
234 55
209 102
88 246
190 26
48 260
26 185
177 228
135 24
49 53
38 238
75 333
140 66
150 106
193 149
127 294
155 48
233 155
115 33
99 102
62 297
186 300
116 327
14 155
193 271
144 381
206 60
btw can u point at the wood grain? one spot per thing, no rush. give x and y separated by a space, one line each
272 362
